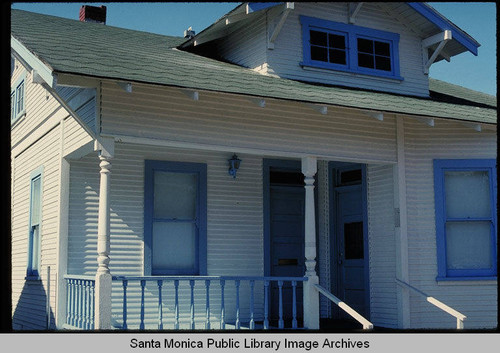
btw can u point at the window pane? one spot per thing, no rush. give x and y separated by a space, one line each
35 251
20 97
318 38
382 63
353 240
382 48
175 195
468 245
467 194
174 246
337 56
365 60
336 41
12 106
365 45
319 53
35 201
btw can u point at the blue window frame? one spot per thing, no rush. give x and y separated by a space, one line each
466 223
17 100
35 222
349 48
175 230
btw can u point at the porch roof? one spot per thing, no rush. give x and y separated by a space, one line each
96 50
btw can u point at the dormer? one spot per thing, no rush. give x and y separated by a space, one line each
375 46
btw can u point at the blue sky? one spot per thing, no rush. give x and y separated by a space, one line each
477 19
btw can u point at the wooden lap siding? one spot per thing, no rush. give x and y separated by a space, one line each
234 233
475 299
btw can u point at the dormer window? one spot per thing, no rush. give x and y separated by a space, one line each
349 48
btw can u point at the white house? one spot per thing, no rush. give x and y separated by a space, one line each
358 187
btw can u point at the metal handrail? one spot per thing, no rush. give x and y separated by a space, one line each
458 315
367 325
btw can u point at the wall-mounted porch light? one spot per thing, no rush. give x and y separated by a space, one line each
234 165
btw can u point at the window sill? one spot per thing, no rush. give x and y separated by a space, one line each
17 119
327 68
490 280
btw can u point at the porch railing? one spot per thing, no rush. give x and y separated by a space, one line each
459 316
367 325
221 285
80 302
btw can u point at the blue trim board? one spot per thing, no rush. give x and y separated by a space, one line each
351 33
440 21
150 167
440 166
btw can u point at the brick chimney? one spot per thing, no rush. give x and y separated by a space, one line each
93 14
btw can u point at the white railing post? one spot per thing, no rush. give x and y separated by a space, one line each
311 295
103 275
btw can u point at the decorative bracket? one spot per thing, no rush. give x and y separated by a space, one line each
441 38
376 115
191 94
126 86
323 109
354 8
289 6
258 101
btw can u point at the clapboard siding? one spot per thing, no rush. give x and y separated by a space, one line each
246 46
82 101
39 106
29 297
216 119
382 249
422 145
284 60
234 212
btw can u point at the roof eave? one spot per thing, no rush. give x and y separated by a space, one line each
32 62
440 21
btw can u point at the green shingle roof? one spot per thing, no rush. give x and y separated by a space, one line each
92 49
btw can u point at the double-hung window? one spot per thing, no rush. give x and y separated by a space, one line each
175 218
35 220
17 101
349 48
465 201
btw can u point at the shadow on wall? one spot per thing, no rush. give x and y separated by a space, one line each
31 310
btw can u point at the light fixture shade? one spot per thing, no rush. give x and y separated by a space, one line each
234 165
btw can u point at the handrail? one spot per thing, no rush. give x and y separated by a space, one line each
458 315
367 325
84 277
204 278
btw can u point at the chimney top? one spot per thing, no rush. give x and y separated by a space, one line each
189 33
93 14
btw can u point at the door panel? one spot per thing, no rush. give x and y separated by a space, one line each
351 270
287 245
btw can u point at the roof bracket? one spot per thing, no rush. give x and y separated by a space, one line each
476 127
376 115
126 86
427 121
261 102
441 38
288 6
191 94
354 8
323 109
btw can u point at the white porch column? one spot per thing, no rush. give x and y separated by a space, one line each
102 318
311 295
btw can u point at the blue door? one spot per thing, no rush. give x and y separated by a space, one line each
349 245
286 237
